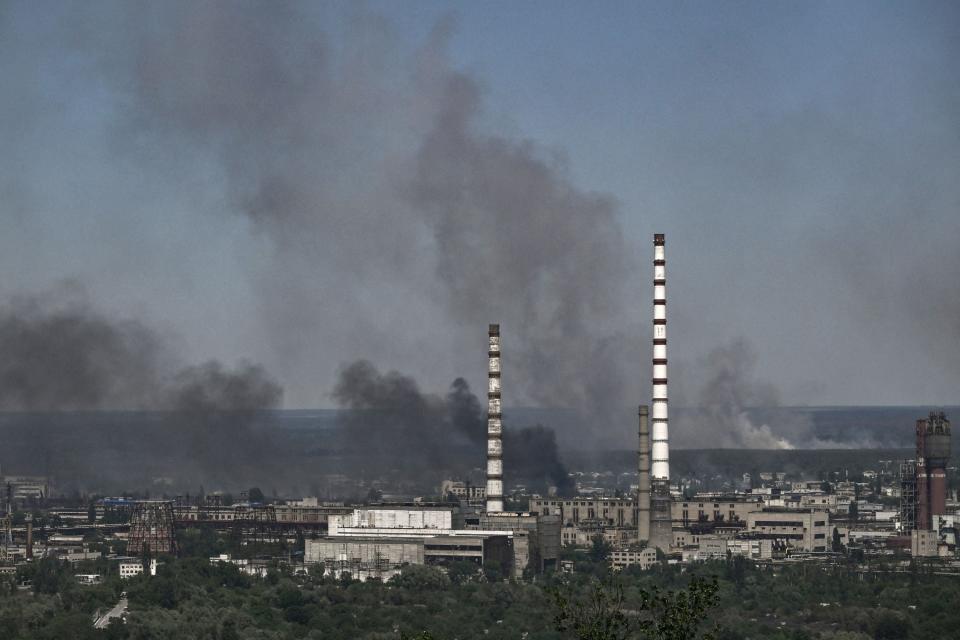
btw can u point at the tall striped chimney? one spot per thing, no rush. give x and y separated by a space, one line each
643 482
494 425
661 523
661 442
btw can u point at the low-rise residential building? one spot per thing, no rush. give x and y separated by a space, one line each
130 569
755 549
644 558
256 568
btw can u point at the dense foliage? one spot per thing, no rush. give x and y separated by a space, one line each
190 598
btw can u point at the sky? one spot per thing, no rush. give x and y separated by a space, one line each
305 185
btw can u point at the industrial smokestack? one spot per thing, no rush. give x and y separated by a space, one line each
661 446
29 536
661 534
933 454
643 483
494 425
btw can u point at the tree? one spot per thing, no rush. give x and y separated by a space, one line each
837 545
462 571
600 617
600 548
890 626
255 495
680 615
664 615
854 512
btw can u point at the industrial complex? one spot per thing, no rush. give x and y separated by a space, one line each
769 519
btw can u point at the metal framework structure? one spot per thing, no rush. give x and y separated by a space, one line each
152 528
255 524
908 496
7 538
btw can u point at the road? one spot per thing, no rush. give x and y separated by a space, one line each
117 612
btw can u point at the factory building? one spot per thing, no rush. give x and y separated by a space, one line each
733 510
707 547
613 512
472 494
427 535
363 558
24 488
384 556
536 538
801 530
390 517
306 511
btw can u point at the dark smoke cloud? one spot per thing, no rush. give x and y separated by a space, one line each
365 167
388 421
58 353
517 241
531 452
61 354
387 415
214 412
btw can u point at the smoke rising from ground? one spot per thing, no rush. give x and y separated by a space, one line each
388 421
58 353
61 354
372 207
214 411
366 168
729 391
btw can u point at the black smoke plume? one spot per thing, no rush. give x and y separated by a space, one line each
60 357
214 412
353 156
389 421
58 353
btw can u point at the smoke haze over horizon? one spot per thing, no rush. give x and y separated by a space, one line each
307 185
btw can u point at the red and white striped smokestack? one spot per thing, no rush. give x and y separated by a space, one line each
660 436
494 425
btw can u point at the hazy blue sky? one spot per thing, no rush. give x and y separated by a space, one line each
803 159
